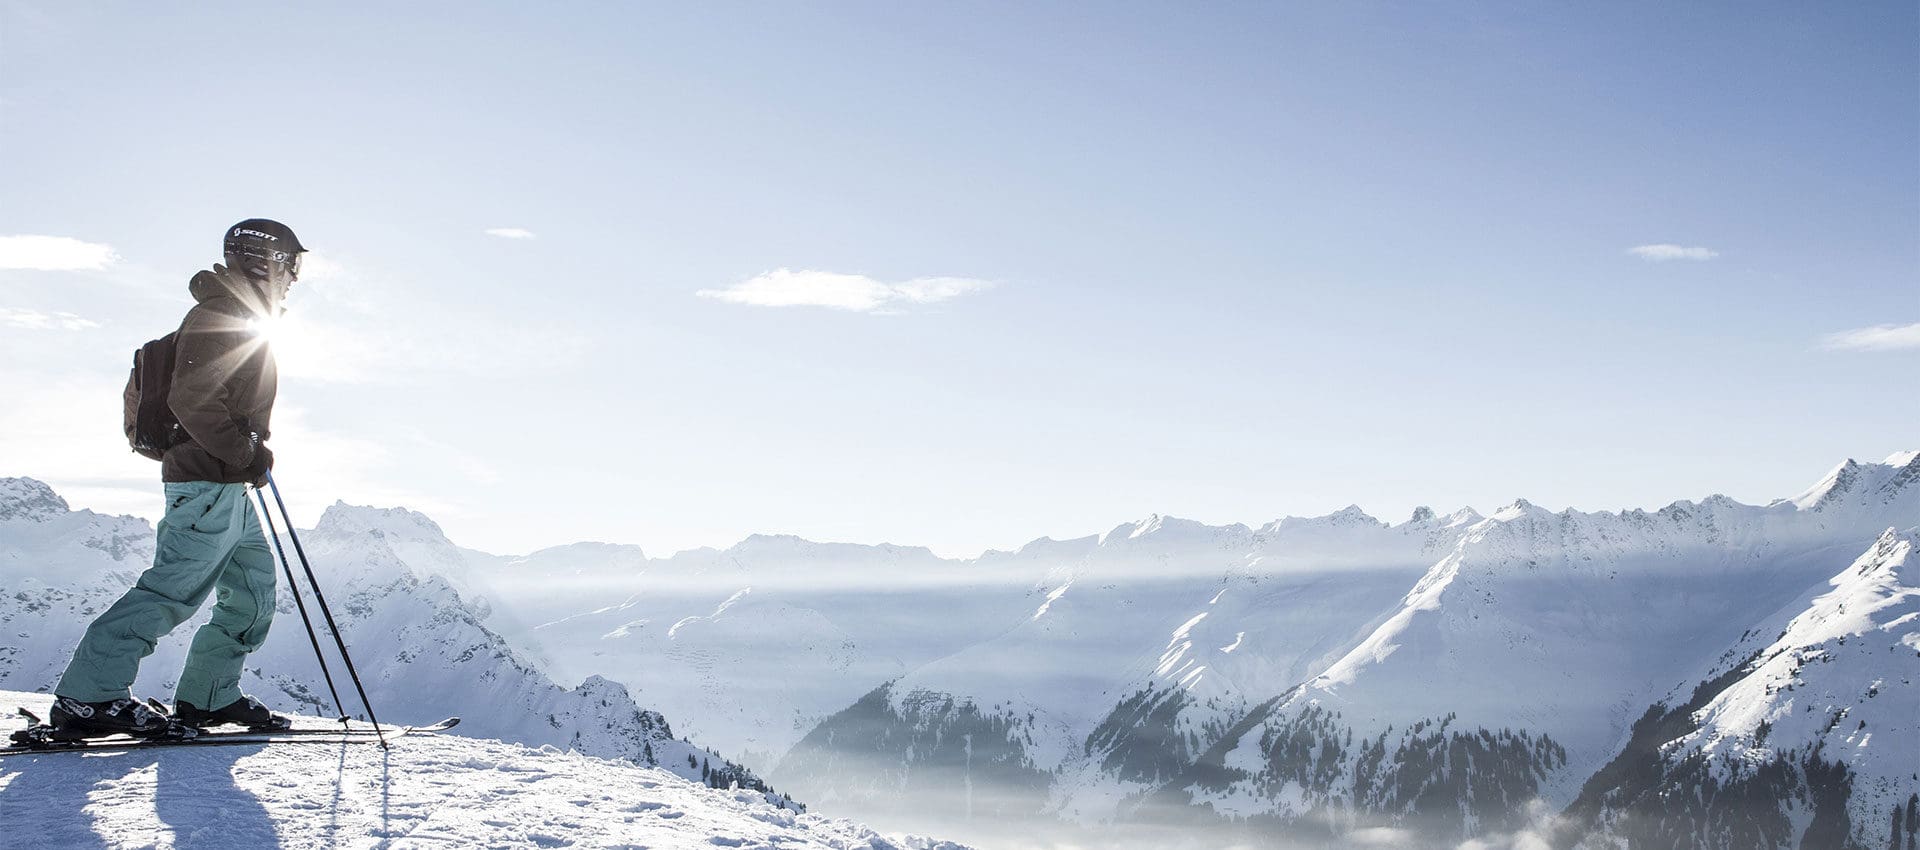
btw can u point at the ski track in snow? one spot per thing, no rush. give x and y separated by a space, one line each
428 791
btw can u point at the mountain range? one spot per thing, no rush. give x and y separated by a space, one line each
1710 674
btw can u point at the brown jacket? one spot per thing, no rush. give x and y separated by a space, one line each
224 380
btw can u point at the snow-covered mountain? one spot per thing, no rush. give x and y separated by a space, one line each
1440 679
1562 677
754 645
428 790
1561 629
422 652
1780 731
1119 623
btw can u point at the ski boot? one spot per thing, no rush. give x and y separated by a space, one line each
245 711
73 720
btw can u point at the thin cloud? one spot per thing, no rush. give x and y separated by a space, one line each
54 254
511 233
1876 338
1668 251
858 293
38 321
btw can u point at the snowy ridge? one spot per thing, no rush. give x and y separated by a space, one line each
752 646
1807 708
414 543
29 500
872 632
1451 676
1531 637
1857 481
1080 688
429 789
1872 612
1529 596
396 525
1561 628
422 652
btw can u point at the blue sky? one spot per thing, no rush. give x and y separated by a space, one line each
1091 261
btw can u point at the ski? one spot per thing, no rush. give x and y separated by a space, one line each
26 741
119 743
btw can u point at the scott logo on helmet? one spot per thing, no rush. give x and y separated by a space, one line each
239 232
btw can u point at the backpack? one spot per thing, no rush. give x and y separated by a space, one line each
150 424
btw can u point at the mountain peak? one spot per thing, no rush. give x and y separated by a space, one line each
1835 483
1520 508
1427 518
1853 480
29 499
1352 515
1162 528
397 524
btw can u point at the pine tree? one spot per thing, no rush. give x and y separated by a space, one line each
1913 821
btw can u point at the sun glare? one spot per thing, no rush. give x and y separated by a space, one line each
283 333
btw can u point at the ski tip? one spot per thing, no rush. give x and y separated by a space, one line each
443 725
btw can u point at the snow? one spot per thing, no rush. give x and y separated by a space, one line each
427 791
1568 624
1052 597
423 651
1840 674
717 611
1177 647
30 500
1837 479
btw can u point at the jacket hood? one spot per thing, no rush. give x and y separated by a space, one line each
222 282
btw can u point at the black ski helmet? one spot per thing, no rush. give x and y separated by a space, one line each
254 243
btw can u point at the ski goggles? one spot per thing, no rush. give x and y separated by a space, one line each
290 259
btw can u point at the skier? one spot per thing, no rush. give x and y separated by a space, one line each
224 381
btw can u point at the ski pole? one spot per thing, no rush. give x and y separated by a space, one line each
293 587
325 611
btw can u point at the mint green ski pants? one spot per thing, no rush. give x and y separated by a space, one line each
210 540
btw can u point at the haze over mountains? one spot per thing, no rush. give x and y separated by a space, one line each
1449 678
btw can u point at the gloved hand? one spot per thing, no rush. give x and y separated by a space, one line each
262 462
